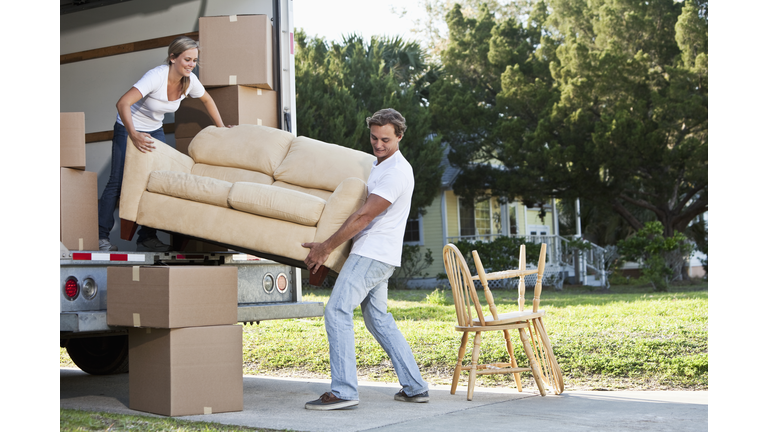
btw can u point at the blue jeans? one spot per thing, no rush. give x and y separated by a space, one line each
363 281
111 195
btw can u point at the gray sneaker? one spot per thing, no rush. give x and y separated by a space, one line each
152 245
419 398
106 246
328 401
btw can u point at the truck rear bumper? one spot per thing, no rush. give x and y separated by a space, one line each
263 312
96 321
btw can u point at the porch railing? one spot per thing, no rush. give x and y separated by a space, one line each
563 255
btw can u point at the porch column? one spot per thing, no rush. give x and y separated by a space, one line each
444 217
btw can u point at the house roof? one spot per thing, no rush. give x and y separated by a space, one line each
450 172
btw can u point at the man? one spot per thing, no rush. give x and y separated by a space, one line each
377 231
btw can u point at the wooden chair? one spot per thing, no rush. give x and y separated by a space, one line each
542 348
465 299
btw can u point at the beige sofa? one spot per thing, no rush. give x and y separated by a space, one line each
250 188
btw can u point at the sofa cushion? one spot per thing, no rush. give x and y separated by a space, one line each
314 164
277 203
232 175
251 147
190 187
320 193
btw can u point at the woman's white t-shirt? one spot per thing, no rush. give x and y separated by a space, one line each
148 113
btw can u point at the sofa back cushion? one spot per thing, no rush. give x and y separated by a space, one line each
232 175
190 187
315 164
250 147
276 203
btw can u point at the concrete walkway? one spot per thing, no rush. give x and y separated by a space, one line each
278 403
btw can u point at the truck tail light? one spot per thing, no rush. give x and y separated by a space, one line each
282 283
71 288
268 283
89 288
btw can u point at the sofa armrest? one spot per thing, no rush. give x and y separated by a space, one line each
348 197
138 167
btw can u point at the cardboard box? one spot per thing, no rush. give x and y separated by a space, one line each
79 210
236 50
237 105
72 140
186 371
171 296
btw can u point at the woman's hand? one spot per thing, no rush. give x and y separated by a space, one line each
143 141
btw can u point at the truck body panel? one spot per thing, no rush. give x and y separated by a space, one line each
93 86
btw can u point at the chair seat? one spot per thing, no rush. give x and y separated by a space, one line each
510 317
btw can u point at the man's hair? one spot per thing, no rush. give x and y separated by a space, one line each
388 116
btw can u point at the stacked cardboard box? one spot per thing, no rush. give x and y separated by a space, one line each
236 70
185 349
78 199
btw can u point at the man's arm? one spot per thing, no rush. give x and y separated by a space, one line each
356 222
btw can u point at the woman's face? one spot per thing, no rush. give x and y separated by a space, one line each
185 62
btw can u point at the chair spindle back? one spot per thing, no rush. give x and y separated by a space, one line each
539 277
462 286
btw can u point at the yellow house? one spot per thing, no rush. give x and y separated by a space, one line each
451 218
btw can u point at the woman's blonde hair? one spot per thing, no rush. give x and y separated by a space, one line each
175 49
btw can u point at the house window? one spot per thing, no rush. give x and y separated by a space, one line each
482 218
466 218
413 231
512 210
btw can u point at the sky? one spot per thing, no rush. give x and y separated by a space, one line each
345 17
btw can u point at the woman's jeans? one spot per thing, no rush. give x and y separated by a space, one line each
111 195
363 281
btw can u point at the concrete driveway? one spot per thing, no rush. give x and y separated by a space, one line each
278 403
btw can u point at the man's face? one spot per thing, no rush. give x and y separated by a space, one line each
384 141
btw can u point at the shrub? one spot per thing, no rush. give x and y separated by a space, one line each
412 266
662 257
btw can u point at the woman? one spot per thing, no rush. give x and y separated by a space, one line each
140 113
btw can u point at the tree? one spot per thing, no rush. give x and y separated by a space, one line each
603 99
338 85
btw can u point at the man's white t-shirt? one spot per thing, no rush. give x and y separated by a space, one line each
148 112
382 239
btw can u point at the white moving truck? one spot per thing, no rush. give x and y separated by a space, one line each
106 46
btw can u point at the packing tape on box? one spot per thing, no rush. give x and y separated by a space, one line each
137 320
233 80
207 410
136 273
80 243
258 122
232 18
258 92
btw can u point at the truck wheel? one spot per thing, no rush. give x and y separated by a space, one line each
103 355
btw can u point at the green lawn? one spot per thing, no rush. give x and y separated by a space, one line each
82 421
630 338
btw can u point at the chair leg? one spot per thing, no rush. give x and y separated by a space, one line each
557 373
538 350
473 367
532 361
316 279
127 229
512 360
457 370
